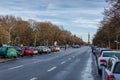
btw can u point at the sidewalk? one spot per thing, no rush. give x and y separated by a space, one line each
5 60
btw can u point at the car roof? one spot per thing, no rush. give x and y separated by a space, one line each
9 46
109 51
103 48
112 51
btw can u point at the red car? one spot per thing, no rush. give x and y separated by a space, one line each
55 49
28 51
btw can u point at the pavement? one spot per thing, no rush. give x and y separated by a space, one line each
5 60
70 64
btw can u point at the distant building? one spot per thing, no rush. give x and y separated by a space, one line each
88 38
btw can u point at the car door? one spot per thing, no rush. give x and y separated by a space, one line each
107 70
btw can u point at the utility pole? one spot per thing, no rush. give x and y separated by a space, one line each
117 41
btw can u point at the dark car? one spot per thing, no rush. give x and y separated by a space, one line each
55 49
75 46
43 49
20 51
8 51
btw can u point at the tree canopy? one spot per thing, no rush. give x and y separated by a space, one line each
109 30
33 33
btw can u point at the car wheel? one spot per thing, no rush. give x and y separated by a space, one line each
100 72
22 55
31 54
4 56
14 57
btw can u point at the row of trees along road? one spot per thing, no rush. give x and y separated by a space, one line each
14 31
108 34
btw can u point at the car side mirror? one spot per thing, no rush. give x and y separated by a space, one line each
103 65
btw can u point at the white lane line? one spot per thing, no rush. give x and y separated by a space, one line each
16 67
51 69
36 61
34 78
63 62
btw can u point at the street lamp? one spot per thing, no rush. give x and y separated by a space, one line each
36 33
117 42
16 41
10 34
35 39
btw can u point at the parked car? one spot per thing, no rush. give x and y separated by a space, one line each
112 70
27 51
99 52
55 48
8 51
103 59
34 49
75 46
19 50
43 49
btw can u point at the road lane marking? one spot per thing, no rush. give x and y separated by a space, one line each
34 78
51 69
36 61
63 62
16 67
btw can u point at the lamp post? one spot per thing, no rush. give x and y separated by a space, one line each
117 42
36 33
17 40
46 42
35 39
10 35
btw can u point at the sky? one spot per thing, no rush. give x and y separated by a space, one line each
80 17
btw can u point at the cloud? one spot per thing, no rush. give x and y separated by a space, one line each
86 21
90 26
49 8
74 15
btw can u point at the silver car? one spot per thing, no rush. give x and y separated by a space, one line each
43 49
112 70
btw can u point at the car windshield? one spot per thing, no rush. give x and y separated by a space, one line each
10 48
17 48
111 54
117 68
27 48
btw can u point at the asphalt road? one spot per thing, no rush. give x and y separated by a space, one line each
70 64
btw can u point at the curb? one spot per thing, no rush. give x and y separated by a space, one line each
5 60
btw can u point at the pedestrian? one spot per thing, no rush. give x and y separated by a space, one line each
65 47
